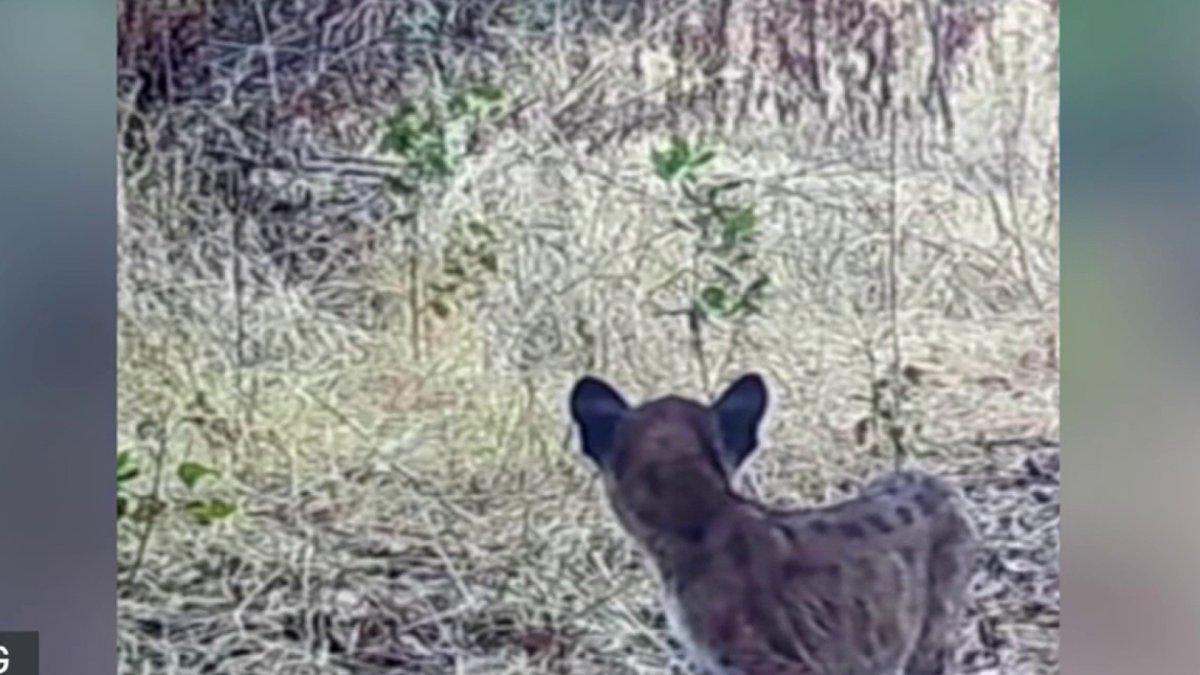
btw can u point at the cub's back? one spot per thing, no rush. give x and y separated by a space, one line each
841 589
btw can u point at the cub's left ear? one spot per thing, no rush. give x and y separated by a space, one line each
597 409
739 412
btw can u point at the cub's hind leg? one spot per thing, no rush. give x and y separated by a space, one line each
949 573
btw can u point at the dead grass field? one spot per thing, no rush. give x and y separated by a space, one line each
433 515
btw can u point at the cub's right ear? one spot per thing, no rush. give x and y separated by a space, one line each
597 409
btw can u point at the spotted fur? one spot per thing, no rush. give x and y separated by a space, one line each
869 586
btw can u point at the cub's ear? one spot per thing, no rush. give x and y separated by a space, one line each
597 409
739 411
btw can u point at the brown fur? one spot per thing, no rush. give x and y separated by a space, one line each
868 586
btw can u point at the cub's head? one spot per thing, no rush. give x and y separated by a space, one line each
668 462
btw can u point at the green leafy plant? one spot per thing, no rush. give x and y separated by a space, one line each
145 507
431 139
727 283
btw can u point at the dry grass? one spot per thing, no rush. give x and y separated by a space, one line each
395 523
434 516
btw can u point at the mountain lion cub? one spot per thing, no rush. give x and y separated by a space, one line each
872 585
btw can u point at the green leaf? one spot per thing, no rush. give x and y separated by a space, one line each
122 507
714 298
403 132
664 168
191 472
126 467
681 160
671 162
207 511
